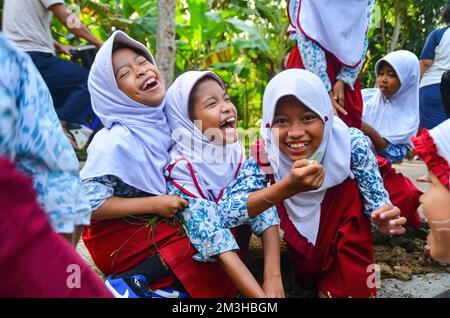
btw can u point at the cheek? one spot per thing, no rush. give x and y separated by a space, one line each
127 86
317 134
279 135
207 119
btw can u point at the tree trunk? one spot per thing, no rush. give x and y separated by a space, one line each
395 33
165 42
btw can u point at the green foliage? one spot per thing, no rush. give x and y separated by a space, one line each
417 19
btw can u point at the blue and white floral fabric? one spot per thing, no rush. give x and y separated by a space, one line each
31 135
209 223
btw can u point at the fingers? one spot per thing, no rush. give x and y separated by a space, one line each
380 210
318 179
341 99
303 163
339 108
391 214
424 178
184 203
396 226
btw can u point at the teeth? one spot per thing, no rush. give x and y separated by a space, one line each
230 120
149 82
298 145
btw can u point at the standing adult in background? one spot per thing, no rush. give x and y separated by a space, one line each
434 61
27 23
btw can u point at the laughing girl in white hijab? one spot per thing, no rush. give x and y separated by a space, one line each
124 173
391 110
328 238
224 190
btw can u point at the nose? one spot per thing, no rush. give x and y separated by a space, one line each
297 130
227 106
141 71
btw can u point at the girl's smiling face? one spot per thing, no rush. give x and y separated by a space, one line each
297 129
137 77
212 111
387 80
436 206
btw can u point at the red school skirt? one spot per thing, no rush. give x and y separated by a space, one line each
341 262
353 98
116 246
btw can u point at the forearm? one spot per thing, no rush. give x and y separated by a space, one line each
271 246
57 45
116 207
425 64
83 32
377 140
264 199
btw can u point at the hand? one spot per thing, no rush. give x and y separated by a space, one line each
74 237
424 178
65 49
338 93
388 220
273 287
169 205
337 98
98 44
305 175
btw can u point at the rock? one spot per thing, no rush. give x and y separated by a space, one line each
403 272
386 271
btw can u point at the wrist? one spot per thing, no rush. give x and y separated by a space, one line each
272 275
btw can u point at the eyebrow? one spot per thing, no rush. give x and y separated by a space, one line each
206 100
126 65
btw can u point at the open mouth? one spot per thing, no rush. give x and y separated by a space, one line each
229 123
149 84
298 147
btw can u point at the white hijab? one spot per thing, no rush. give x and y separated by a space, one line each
135 141
213 171
338 26
395 118
333 153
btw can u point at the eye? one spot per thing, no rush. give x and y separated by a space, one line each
280 121
122 75
309 117
211 104
143 62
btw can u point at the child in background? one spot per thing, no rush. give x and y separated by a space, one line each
224 189
390 119
433 147
124 181
329 240
391 110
